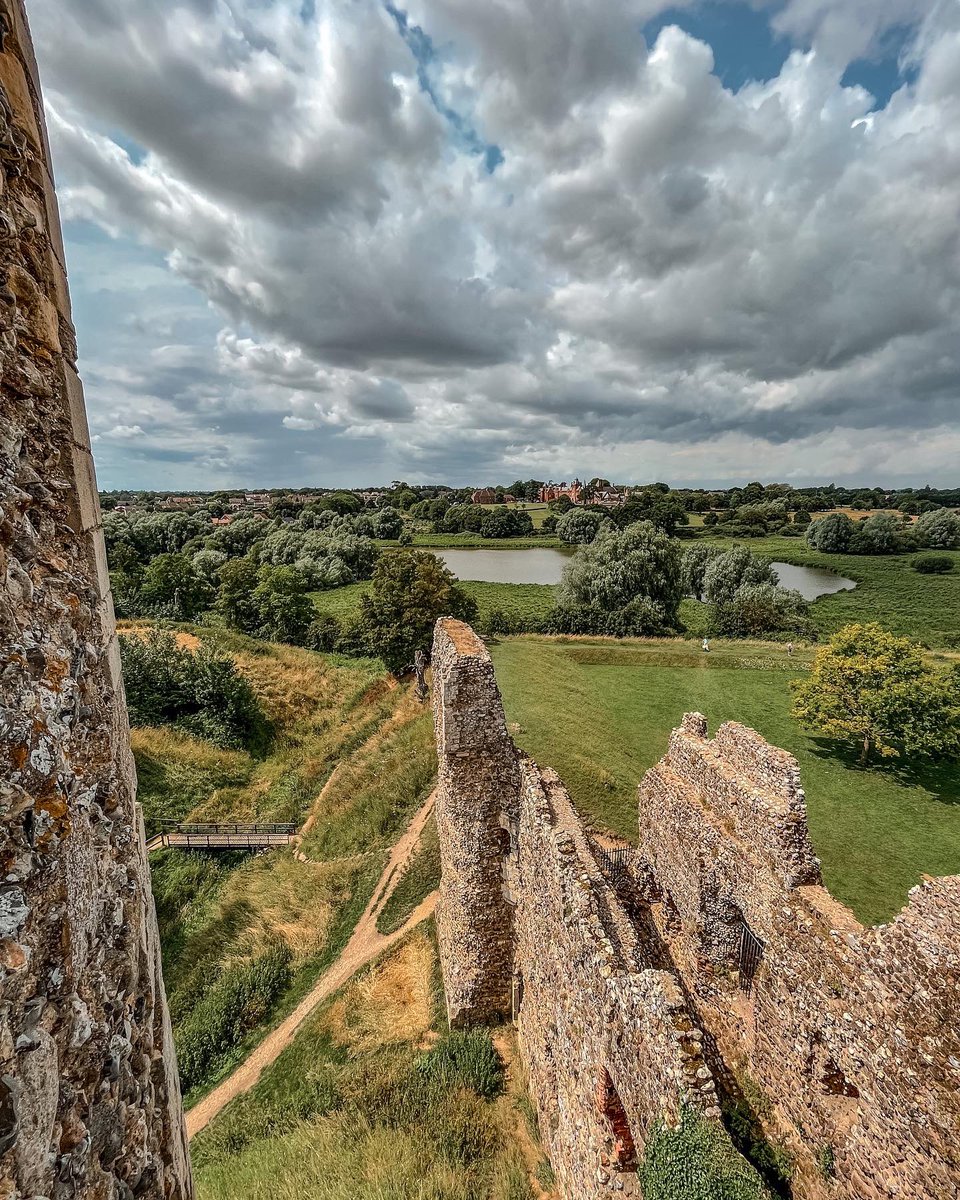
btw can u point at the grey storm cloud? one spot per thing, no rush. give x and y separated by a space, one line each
658 268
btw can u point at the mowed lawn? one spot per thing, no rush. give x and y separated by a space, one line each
601 714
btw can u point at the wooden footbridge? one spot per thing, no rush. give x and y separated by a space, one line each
258 836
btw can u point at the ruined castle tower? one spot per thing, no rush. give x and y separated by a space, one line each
477 788
89 1097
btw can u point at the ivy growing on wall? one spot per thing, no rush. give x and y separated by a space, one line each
697 1161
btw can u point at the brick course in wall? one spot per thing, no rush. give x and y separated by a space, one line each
89 1098
719 967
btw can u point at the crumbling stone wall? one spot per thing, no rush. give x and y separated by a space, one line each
608 1039
719 972
477 789
89 1098
528 922
848 1035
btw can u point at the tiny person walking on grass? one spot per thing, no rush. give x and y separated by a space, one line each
706 645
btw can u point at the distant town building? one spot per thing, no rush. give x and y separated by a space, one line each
484 496
553 491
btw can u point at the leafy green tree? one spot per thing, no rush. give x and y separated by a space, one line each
880 534
579 526
696 559
725 574
410 590
623 567
207 564
761 608
877 690
939 530
802 517
238 580
284 610
173 587
831 534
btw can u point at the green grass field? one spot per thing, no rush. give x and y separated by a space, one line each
512 599
601 714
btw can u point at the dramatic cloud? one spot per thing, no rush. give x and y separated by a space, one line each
347 241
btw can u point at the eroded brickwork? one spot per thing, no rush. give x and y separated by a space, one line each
718 969
89 1099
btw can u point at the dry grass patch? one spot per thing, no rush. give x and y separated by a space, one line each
392 1002
288 901
186 641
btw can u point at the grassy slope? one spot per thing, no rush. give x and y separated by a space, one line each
346 1113
925 607
603 720
218 911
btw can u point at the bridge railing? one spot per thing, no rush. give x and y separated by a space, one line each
215 827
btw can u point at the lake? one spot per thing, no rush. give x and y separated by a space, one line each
811 582
546 566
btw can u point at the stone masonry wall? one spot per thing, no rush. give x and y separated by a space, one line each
849 1034
525 908
719 972
609 1042
89 1098
477 790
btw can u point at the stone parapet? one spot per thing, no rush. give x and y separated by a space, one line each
89 1097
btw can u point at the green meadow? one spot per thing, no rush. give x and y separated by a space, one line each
601 712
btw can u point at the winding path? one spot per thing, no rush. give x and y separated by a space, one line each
365 943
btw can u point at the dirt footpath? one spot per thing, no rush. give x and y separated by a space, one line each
365 944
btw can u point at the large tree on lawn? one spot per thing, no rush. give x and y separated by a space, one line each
409 591
874 689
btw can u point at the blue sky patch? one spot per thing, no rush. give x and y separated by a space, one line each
422 48
744 46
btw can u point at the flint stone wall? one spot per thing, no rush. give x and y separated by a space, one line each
849 1033
529 924
477 789
89 1098
720 967
595 1013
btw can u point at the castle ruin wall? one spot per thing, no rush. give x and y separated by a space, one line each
719 972
848 1033
89 1097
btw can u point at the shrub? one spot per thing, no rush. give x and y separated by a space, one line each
696 1162
200 691
236 1003
932 564
466 1058
323 634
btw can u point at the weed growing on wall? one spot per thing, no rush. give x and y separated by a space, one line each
696 1161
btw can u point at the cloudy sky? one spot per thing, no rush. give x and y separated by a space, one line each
340 242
